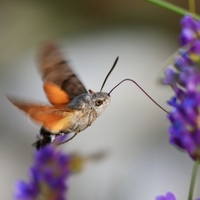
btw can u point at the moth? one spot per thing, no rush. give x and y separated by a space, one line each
73 108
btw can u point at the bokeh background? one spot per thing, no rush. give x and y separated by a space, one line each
139 161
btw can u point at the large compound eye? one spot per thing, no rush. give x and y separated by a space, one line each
98 102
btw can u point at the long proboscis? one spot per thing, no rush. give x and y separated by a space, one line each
128 79
113 66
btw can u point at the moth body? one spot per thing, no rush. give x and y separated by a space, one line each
86 108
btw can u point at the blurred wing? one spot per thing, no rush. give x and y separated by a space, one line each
56 95
58 77
50 117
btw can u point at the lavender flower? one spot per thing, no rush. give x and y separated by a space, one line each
185 81
48 176
50 172
169 196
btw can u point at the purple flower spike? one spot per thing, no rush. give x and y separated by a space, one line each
187 36
169 196
180 62
197 27
25 191
188 22
48 176
194 53
190 30
169 77
184 131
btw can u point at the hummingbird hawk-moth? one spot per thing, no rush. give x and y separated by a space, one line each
73 109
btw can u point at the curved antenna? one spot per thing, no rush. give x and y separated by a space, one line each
114 64
128 79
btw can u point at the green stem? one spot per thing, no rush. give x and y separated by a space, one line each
192 6
173 8
193 180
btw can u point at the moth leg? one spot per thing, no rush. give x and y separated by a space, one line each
91 117
69 138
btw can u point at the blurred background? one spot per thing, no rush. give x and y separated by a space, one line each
139 162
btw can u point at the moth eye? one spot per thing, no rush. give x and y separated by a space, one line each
98 102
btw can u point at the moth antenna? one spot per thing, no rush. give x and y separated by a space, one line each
128 79
114 64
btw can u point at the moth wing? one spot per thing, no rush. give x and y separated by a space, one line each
54 119
56 95
55 70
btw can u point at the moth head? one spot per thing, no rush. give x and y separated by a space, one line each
100 101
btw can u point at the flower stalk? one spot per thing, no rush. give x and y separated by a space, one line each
176 9
192 6
193 180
